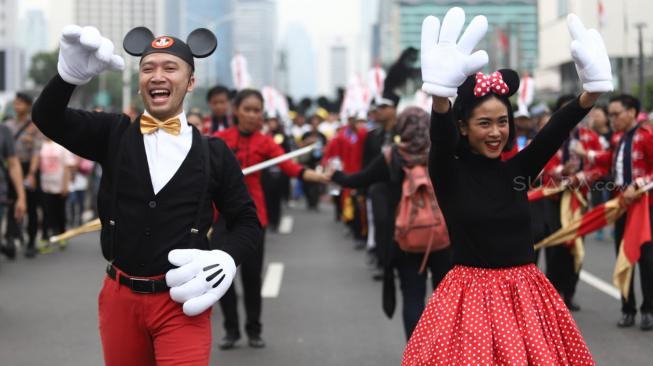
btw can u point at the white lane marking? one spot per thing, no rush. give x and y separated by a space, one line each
600 285
285 226
272 281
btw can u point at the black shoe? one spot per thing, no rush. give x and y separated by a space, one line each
627 320
647 322
31 252
378 275
9 249
571 305
256 342
228 342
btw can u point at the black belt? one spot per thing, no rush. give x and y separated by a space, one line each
138 285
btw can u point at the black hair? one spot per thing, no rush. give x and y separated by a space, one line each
217 90
194 113
602 107
562 100
466 103
244 94
628 101
25 97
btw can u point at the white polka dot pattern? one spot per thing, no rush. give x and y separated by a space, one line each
507 316
485 84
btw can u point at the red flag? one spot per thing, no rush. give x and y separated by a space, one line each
543 192
504 42
636 232
638 228
593 220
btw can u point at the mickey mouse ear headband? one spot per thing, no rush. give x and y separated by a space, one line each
200 43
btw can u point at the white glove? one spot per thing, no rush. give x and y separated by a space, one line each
202 278
590 56
84 53
445 64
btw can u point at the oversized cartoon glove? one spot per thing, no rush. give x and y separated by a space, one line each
591 58
445 63
202 278
84 53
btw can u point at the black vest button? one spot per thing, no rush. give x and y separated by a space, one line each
152 204
147 232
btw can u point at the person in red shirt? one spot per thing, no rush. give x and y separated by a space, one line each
348 146
251 147
630 160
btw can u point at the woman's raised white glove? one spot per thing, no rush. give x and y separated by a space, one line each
445 63
590 56
84 53
202 278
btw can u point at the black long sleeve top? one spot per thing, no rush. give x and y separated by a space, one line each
148 225
378 171
484 201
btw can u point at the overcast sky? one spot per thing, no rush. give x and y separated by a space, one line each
319 17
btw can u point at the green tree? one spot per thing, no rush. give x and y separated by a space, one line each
647 103
43 67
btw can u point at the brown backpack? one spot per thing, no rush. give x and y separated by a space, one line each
419 224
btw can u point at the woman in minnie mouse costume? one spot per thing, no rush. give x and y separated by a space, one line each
494 306
160 179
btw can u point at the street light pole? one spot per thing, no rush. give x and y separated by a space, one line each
640 44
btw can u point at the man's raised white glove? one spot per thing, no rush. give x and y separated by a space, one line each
591 58
445 63
202 278
84 53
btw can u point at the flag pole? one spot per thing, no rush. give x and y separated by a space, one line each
95 225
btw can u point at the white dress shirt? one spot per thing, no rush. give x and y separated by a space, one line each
166 152
619 166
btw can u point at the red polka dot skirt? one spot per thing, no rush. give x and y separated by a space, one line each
507 316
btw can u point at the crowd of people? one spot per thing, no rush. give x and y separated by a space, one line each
42 181
475 151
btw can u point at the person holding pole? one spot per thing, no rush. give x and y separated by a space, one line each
251 147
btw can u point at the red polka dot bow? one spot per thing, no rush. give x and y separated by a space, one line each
493 82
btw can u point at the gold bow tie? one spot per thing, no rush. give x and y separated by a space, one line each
150 124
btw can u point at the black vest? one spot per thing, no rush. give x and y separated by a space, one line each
144 227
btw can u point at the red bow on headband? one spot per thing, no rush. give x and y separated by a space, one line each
493 82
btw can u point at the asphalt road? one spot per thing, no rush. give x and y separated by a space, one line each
327 310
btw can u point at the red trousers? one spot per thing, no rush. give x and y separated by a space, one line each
150 329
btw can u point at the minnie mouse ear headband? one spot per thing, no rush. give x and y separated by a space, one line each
200 43
503 83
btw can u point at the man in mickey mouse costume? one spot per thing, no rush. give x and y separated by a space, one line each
160 178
